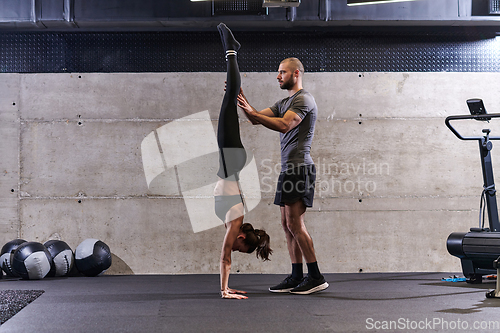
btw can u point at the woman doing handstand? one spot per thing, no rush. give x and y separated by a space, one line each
229 205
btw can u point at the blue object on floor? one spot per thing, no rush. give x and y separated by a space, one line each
454 279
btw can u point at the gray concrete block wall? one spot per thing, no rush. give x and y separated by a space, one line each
9 152
393 181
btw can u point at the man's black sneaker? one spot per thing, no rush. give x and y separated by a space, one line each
310 285
286 285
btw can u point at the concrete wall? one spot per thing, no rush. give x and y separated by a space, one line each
393 181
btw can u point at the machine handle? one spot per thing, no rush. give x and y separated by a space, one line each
477 117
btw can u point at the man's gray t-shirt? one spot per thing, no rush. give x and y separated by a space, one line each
296 143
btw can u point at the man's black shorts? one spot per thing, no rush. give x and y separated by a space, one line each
296 184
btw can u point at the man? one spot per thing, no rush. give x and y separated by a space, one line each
294 117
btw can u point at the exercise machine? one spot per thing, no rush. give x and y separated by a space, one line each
479 248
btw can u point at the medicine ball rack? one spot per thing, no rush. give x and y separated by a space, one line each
479 248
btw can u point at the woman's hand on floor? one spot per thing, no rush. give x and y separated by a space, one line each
233 293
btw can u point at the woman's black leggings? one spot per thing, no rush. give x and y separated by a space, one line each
232 155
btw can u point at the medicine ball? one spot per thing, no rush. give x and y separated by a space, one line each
6 256
92 257
31 261
62 257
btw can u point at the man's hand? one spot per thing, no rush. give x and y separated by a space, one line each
247 108
243 103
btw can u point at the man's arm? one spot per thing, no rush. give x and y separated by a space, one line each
266 117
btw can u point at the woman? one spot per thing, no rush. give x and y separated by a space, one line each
229 205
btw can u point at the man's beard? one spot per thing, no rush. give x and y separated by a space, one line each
287 85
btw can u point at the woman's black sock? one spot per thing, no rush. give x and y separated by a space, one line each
229 43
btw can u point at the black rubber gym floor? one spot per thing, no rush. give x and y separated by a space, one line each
364 302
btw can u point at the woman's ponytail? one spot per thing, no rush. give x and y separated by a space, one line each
257 240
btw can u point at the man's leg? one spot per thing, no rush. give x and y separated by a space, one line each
293 246
294 279
293 250
294 215
294 224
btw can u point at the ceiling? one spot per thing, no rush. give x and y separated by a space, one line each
243 15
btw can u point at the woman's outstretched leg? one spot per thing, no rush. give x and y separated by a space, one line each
232 156
232 152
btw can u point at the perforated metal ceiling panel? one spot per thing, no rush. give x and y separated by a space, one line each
37 52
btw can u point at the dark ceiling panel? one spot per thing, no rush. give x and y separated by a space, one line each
35 52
